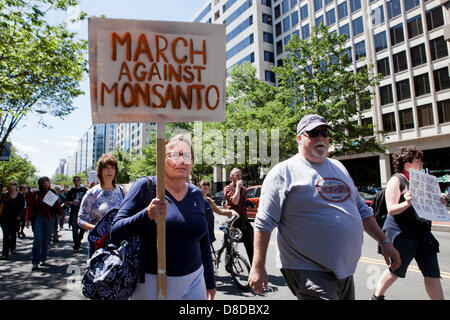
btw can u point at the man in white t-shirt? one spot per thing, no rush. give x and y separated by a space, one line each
320 217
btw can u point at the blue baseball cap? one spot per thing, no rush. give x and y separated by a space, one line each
310 122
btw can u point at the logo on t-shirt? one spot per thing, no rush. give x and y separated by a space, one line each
333 189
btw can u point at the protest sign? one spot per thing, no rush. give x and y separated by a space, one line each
426 196
50 198
156 71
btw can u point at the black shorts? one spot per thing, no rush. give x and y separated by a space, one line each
426 258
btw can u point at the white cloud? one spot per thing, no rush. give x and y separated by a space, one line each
66 144
46 141
24 148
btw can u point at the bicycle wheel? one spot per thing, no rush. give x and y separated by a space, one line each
240 270
215 258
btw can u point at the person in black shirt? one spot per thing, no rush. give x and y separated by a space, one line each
73 199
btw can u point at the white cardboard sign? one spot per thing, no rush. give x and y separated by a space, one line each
426 196
50 198
156 71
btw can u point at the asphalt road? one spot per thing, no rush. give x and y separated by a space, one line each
61 279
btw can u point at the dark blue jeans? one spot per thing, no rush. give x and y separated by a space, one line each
42 229
9 236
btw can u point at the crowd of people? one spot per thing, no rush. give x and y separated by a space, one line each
304 197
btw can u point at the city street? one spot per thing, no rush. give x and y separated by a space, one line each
60 280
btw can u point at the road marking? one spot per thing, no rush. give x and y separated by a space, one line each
410 268
383 263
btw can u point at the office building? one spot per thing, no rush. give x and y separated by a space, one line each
405 40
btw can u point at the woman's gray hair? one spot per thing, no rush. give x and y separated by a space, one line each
177 138
233 171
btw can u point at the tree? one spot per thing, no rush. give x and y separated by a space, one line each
316 77
17 168
124 161
41 65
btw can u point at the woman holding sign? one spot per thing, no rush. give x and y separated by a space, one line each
41 211
410 234
190 273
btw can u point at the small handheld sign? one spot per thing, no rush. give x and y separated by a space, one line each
156 71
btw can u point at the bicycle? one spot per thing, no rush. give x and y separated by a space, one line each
235 264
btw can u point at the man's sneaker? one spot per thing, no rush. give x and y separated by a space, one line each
374 297
35 268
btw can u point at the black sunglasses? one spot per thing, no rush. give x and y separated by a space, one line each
315 132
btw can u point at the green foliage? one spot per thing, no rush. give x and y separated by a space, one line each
316 77
17 168
41 65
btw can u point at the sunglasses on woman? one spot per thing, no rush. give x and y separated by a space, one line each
315 132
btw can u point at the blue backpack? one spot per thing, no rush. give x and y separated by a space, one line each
112 271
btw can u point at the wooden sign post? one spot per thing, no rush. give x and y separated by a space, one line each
156 71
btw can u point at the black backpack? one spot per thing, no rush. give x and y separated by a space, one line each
379 207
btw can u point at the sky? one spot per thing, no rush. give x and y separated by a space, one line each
45 147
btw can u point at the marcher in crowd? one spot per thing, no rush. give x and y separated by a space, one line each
42 217
189 269
410 233
101 197
211 208
73 198
13 208
236 196
320 218
62 201
26 194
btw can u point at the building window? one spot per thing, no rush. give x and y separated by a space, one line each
383 67
357 26
406 119
360 50
377 16
268 56
236 14
425 115
345 29
355 5
268 37
286 39
241 27
403 90
304 12
380 41
364 101
421 84
285 6
397 34
317 5
267 3
294 18
389 122
400 63
409 4
269 76
266 18
239 47
279 47
293 3
386 94
444 111
278 30
319 20
418 55
277 11
393 8
305 31
331 17
342 10
438 48
435 18
414 26
367 124
441 79
286 24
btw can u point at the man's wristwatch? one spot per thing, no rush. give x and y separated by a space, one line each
385 241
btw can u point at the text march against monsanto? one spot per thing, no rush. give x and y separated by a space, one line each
152 71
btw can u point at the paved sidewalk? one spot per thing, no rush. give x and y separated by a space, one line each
60 280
